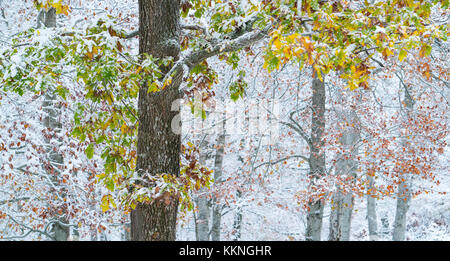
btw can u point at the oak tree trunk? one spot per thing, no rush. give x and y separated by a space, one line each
158 146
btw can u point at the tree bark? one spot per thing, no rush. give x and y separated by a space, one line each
403 198
202 219
316 158
218 163
237 223
51 122
158 147
372 212
210 211
202 200
404 190
342 206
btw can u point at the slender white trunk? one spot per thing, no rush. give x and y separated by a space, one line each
299 7
60 231
340 218
404 190
346 166
202 219
218 163
237 224
371 212
202 200
403 199
209 210
342 206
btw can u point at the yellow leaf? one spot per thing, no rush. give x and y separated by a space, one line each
90 55
104 126
124 128
319 73
65 10
60 8
402 55
292 37
277 43
105 203
109 99
287 52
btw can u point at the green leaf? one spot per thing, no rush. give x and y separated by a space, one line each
203 114
428 50
89 151
109 184
314 4
19 91
273 63
62 92
76 131
100 139
198 13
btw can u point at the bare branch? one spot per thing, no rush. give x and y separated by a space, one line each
131 35
30 230
232 45
297 128
222 46
193 28
283 159
13 200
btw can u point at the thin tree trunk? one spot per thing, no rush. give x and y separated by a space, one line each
347 216
335 217
218 162
158 147
404 191
342 206
341 213
125 232
203 217
216 222
2 13
59 231
385 231
205 205
202 201
316 158
372 212
237 223
403 199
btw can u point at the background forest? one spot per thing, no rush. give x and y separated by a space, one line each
296 120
